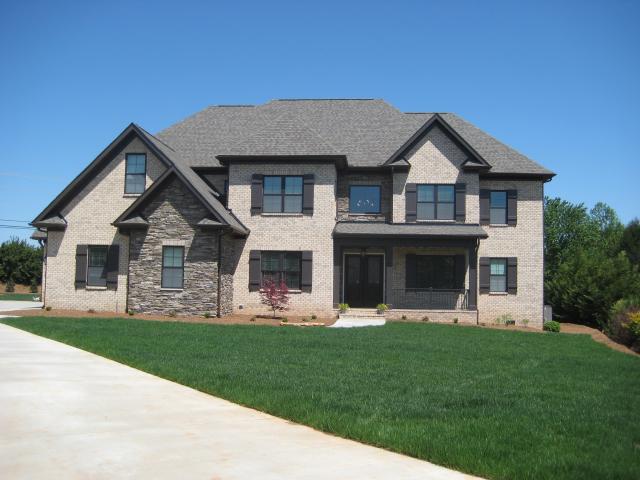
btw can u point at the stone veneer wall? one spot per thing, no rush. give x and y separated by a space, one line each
172 215
384 180
89 215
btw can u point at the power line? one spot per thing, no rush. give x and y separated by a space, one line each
18 221
16 227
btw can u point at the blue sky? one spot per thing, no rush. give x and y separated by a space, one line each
559 81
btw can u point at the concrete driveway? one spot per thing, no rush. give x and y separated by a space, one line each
66 413
10 305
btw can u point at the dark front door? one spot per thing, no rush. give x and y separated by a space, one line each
363 280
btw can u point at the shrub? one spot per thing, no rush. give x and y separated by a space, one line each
48 308
505 319
33 286
313 317
525 321
305 319
343 307
252 319
551 326
91 310
404 317
284 320
10 287
172 313
425 319
455 320
131 312
207 314
624 321
382 307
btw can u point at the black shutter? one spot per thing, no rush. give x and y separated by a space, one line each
307 271
81 266
411 198
256 194
255 271
410 271
461 267
113 262
512 275
461 204
307 194
484 206
512 207
485 270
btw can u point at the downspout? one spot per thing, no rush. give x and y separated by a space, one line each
477 248
218 310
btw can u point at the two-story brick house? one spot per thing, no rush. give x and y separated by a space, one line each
347 201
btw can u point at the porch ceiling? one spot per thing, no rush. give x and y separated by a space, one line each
407 230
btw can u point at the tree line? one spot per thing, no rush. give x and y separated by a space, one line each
20 262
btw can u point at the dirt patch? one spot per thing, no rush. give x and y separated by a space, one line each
597 335
19 288
228 320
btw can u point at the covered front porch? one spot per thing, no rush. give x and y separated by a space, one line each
415 269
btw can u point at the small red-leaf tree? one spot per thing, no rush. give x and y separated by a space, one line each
274 296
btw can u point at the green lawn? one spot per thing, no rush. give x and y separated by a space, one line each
495 403
27 297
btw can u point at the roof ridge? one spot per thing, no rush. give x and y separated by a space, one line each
321 99
156 138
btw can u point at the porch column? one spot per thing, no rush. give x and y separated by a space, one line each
388 274
472 301
337 273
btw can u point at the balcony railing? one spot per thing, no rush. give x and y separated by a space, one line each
429 299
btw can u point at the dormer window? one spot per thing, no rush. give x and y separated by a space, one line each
136 173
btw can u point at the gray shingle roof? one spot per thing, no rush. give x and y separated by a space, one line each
379 229
366 131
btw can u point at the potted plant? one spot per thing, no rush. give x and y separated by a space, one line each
381 308
343 307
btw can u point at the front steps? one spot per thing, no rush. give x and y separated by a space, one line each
359 317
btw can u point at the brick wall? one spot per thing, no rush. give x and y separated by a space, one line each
435 159
524 241
286 232
89 216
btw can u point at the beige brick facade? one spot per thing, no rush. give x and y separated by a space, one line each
89 216
435 159
286 232
524 241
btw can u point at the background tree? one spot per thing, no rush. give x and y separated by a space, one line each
586 271
631 241
20 261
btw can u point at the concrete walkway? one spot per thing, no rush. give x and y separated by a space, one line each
10 305
66 413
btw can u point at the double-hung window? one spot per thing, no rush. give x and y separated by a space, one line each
436 202
172 267
281 267
136 173
97 266
498 207
364 199
282 194
498 275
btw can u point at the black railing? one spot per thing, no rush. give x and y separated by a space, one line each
429 299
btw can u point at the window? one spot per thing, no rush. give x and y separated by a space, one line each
498 275
172 267
498 207
436 202
282 267
435 271
364 199
136 173
97 266
282 194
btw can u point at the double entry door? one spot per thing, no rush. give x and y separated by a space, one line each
363 280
